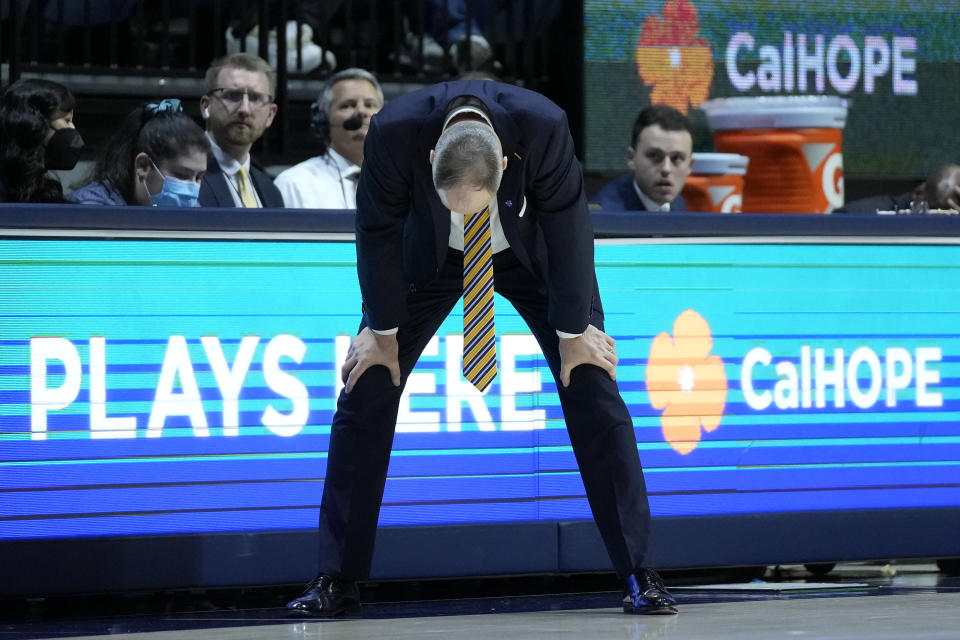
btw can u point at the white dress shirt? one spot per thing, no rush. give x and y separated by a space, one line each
498 241
230 167
322 182
648 203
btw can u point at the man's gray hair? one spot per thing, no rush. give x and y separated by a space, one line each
353 73
468 154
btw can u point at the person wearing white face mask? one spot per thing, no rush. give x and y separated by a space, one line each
157 157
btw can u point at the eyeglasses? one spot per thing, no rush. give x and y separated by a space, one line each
234 97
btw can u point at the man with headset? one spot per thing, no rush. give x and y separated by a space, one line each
238 107
341 117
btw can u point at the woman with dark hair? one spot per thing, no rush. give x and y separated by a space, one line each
156 158
36 135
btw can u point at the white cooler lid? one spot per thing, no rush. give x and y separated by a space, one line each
719 164
776 112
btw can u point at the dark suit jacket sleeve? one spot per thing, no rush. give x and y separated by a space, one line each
383 202
607 198
559 199
619 195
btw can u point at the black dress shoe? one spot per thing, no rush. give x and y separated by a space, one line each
326 597
646 594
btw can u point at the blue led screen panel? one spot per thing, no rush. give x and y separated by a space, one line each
173 386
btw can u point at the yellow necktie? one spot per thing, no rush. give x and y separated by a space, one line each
479 337
246 195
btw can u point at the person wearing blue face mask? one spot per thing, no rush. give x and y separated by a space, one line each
156 158
175 192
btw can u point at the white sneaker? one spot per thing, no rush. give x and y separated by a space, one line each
232 41
408 55
312 55
432 51
480 52
306 31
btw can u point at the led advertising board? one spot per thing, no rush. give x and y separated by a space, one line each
187 386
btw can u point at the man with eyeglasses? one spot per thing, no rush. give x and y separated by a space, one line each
660 159
238 107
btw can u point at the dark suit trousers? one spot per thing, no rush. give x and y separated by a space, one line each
599 425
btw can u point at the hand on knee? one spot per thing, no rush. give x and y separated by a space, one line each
369 349
591 347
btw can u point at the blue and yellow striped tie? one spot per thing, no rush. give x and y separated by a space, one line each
479 337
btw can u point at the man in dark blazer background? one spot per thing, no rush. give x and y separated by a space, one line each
429 157
238 107
660 157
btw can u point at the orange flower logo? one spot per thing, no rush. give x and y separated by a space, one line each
672 59
686 381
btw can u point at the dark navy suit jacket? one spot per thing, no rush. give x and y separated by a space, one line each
215 192
620 195
403 228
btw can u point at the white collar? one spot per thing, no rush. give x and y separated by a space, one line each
344 166
647 202
466 109
228 164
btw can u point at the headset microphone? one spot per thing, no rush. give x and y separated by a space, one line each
353 123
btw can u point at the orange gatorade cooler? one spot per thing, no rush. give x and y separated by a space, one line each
716 182
795 148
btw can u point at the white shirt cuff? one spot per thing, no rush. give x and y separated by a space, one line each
566 336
